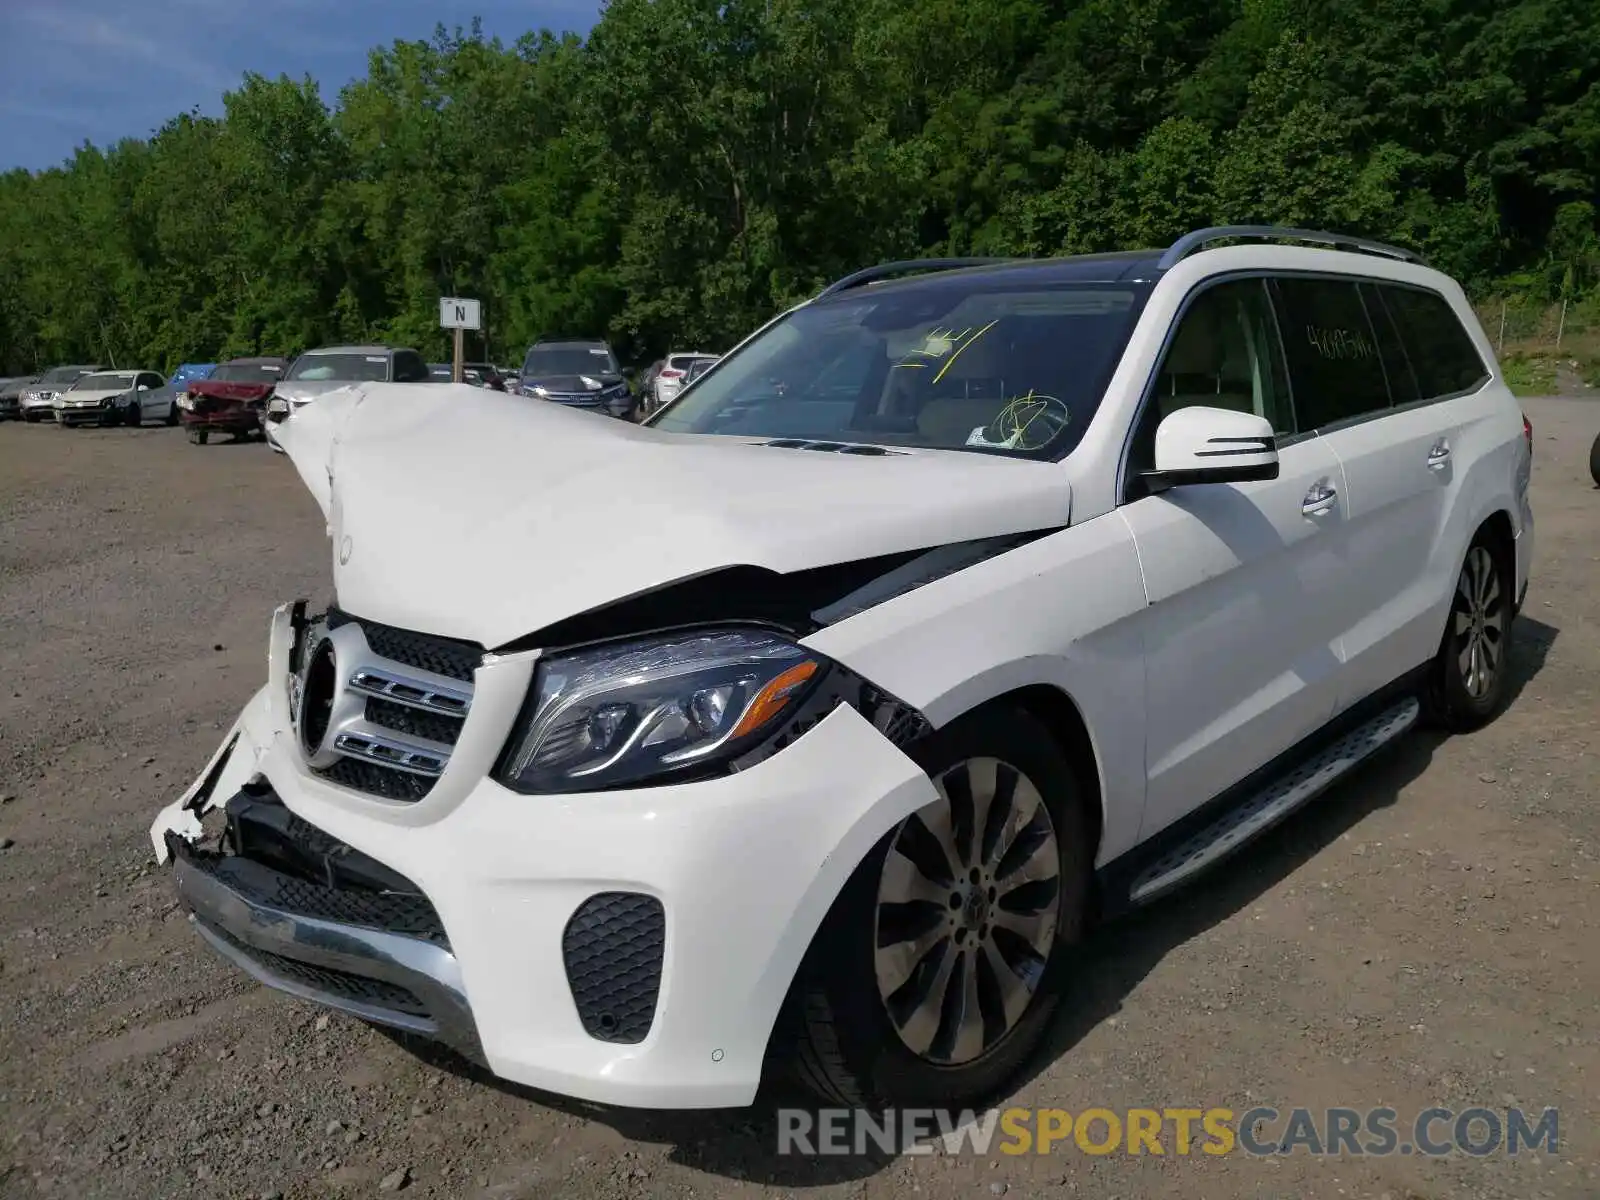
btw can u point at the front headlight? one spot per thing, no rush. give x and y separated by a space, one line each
620 714
186 402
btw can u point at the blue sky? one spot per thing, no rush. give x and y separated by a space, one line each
107 69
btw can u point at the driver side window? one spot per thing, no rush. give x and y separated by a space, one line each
1225 353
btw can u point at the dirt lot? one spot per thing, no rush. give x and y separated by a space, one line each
1428 934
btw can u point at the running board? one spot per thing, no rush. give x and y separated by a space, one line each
1266 808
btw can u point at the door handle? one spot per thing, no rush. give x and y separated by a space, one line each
1320 499
1439 456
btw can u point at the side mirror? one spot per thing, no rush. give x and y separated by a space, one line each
277 409
1212 445
140 388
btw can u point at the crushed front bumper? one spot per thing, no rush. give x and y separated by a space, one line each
239 419
285 903
555 907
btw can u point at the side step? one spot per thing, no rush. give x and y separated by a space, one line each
1273 803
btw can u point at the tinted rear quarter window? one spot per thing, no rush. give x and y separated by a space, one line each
1335 367
1403 386
1441 351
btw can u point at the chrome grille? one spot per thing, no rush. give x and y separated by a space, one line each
379 709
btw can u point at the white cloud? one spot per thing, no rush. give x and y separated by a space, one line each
81 31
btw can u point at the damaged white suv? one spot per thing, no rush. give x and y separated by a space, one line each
983 600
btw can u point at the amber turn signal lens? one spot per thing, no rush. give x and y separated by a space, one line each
769 701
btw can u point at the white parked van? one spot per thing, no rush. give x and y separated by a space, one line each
998 597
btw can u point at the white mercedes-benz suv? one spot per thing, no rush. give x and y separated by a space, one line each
995 598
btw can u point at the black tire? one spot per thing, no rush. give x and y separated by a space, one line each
134 417
199 436
1457 698
172 414
837 1036
1594 461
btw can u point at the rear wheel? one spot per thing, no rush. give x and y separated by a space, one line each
934 976
1469 680
172 414
1594 461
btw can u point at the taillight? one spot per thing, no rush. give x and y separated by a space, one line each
671 373
1527 433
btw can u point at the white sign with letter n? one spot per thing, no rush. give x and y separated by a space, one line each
456 313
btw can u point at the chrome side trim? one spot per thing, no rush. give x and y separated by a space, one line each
233 925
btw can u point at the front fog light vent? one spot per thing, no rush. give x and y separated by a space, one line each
612 948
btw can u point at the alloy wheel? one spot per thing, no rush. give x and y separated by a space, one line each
968 903
1478 624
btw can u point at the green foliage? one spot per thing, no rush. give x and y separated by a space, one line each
695 165
1529 374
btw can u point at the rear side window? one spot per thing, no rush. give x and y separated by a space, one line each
1441 351
1335 366
1403 386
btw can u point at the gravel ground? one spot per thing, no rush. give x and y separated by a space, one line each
1425 935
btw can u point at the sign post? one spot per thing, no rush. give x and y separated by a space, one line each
459 315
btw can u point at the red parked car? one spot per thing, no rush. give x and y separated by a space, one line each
231 399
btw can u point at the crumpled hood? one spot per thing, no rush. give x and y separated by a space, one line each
301 391
472 514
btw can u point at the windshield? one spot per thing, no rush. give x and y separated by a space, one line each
960 364
353 368
103 383
64 374
247 373
543 362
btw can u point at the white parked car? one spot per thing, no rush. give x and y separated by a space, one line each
114 398
998 598
675 375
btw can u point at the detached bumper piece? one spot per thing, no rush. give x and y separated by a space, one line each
308 915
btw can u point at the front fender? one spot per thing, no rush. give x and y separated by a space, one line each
1062 612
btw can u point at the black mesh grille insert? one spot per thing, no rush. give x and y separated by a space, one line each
425 651
612 948
378 779
395 912
402 718
325 980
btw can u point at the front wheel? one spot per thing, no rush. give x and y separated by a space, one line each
1594 461
934 976
1469 680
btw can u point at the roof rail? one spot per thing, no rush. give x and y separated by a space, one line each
1190 242
905 267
